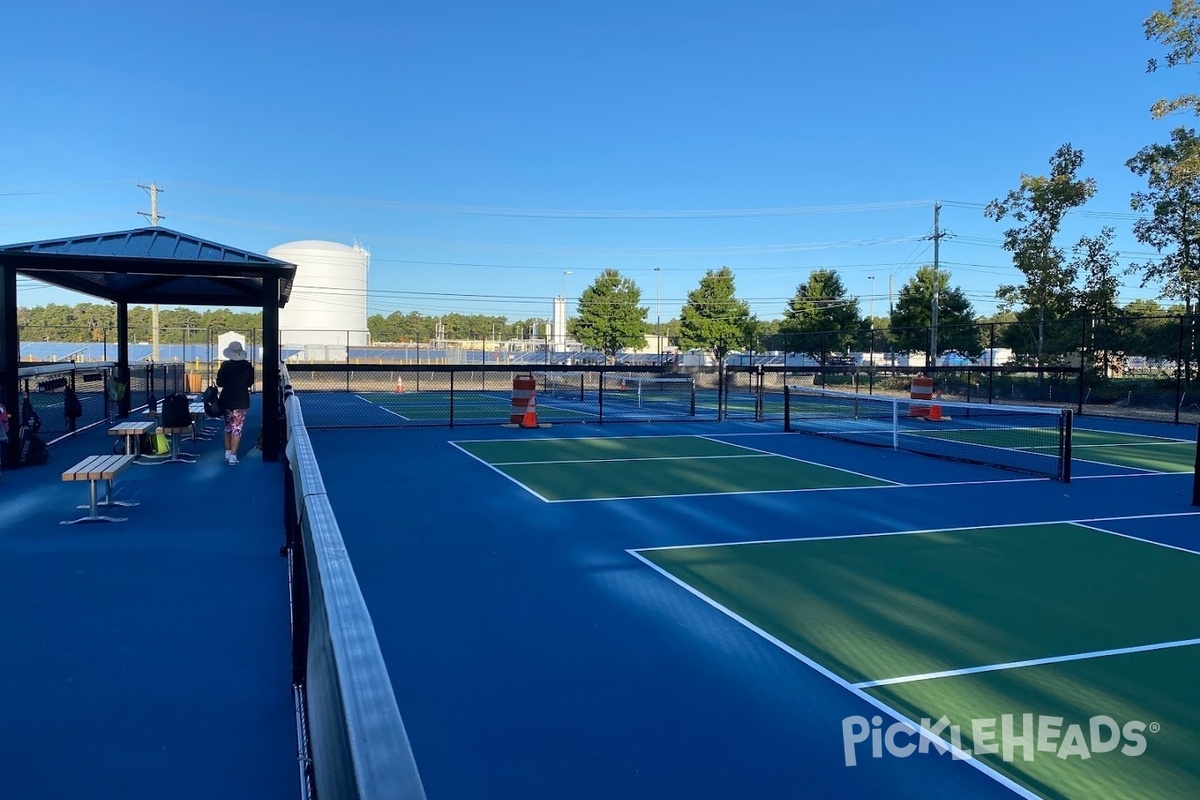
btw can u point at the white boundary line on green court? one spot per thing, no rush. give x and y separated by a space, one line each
499 472
1159 443
634 458
861 694
719 494
1083 523
859 689
800 460
1029 662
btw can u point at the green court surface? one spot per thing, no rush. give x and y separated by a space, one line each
1132 450
652 466
975 624
1106 447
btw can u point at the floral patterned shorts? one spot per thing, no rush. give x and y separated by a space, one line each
235 418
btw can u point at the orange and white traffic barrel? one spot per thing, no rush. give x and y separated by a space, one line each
921 389
524 401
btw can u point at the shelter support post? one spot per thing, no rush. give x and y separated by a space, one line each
270 367
10 357
123 402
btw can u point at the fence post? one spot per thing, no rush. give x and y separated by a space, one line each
1179 372
1082 355
991 360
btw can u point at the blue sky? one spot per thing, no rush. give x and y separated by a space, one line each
479 150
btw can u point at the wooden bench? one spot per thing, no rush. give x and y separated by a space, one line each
132 432
93 469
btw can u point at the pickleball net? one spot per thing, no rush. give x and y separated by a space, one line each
1031 439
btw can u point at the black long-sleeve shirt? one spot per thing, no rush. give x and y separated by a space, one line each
235 379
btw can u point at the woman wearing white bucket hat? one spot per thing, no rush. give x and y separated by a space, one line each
235 377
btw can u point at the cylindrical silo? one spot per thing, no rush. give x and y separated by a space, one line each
328 304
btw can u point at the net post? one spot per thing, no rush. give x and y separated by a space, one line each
1196 474
895 424
787 408
582 375
692 398
1066 424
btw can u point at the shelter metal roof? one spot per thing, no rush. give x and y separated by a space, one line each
151 265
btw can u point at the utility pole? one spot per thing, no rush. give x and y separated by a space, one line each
931 358
153 216
658 310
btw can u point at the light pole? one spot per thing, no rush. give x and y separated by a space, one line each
566 272
658 310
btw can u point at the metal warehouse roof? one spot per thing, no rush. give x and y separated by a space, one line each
151 265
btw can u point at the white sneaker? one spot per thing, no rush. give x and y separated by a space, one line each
232 460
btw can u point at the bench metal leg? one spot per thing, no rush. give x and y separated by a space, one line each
93 517
108 498
177 457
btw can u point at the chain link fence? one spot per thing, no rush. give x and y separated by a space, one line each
1136 367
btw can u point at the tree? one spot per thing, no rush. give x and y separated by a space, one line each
610 316
1172 173
913 315
1179 30
1040 204
820 306
1096 261
713 318
1096 301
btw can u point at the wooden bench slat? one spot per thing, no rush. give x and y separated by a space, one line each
73 474
98 468
108 469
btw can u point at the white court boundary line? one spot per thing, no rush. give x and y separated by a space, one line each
1029 662
499 472
753 452
1083 523
381 408
634 458
802 461
859 689
861 694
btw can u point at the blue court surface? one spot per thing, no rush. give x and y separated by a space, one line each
555 625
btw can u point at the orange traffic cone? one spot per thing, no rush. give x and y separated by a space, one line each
399 383
529 418
935 414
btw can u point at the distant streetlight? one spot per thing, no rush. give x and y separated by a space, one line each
566 272
871 278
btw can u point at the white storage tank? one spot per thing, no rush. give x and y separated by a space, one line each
327 310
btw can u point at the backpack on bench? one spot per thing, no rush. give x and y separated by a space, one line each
175 413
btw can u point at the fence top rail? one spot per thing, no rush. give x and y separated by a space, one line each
652 369
59 369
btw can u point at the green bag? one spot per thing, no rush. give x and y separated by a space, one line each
154 444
